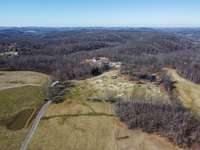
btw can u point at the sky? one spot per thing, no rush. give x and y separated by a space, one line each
100 13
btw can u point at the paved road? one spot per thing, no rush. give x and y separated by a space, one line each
36 122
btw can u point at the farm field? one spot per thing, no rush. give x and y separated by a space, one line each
20 94
187 91
81 121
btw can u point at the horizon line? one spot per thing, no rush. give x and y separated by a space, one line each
38 26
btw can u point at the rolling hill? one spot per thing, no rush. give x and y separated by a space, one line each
21 92
86 120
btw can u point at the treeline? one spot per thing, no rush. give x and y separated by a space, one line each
176 123
187 64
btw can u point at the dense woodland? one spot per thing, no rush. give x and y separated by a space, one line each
175 122
63 52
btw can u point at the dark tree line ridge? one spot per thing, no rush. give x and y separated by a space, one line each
176 123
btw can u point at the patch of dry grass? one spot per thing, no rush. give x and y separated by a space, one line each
187 91
11 140
11 79
74 129
103 87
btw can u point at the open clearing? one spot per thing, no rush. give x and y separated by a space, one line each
187 91
104 87
20 93
81 123
77 126
11 79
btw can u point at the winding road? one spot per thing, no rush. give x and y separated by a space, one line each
36 122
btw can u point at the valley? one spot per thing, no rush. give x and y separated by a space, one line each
99 88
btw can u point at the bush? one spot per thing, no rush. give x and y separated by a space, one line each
96 71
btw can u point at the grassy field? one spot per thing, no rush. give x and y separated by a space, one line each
20 93
14 100
11 79
104 87
81 123
187 91
76 126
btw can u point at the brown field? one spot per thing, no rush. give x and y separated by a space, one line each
82 124
11 79
75 126
187 91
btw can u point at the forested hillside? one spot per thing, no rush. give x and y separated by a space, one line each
64 51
